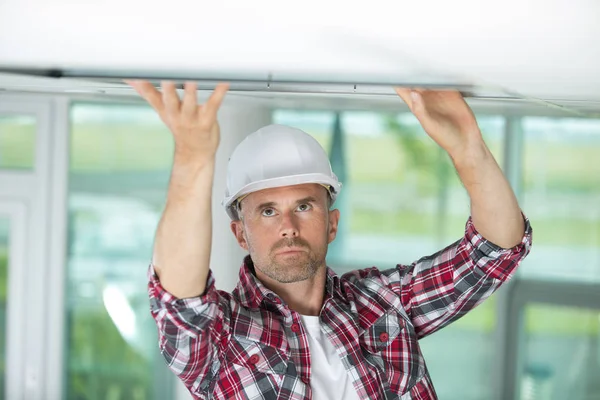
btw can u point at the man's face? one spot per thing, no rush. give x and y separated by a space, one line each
287 230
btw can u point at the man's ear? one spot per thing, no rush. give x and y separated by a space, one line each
334 219
237 227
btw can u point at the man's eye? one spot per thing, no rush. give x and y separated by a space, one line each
304 207
268 212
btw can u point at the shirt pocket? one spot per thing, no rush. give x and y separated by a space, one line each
256 357
390 344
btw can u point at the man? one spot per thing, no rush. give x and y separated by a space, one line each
293 329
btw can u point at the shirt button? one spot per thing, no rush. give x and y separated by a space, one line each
295 327
254 359
383 336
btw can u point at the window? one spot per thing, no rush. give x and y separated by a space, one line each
17 141
562 353
405 197
561 192
120 160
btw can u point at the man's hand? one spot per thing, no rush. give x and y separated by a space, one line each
194 127
449 121
446 118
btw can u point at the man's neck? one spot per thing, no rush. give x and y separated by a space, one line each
305 297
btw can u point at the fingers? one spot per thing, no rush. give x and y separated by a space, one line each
170 97
418 105
168 102
190 100
216 98
404 94
413 99
148 92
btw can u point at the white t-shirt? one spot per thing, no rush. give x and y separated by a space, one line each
329 379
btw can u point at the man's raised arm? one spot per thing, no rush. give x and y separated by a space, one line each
438 289
182 245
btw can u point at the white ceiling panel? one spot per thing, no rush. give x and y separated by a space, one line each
503 49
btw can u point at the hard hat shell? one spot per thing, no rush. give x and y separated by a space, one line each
276 156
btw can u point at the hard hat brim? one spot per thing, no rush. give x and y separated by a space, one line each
331 181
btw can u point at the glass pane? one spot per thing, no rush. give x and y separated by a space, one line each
404 197
4 243
561 194
402 200
317 123
17 142
562 353
120 164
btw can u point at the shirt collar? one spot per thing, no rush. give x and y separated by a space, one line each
251 292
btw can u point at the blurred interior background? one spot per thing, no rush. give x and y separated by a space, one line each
88 179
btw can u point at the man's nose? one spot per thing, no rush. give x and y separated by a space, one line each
289 225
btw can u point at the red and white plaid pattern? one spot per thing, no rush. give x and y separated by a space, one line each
249 345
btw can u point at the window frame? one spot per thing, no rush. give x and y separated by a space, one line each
33 189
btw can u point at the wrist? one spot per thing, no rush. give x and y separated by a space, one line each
183 159
189 172
470 155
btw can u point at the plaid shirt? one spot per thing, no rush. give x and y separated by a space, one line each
250 345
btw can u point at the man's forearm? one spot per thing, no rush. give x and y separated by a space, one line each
184 234
494 208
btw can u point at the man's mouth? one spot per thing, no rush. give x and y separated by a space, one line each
290 250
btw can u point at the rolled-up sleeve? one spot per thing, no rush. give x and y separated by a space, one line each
190 330
438 289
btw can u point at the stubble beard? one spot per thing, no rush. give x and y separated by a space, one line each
293 267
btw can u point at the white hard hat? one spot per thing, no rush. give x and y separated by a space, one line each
275 156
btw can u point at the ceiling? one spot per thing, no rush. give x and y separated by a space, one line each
537 55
